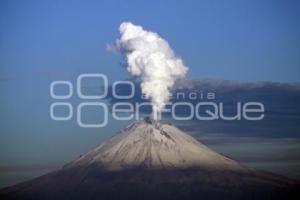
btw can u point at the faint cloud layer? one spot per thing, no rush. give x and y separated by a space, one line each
281 101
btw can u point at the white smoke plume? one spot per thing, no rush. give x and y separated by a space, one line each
150 58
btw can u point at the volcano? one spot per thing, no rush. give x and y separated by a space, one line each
154 160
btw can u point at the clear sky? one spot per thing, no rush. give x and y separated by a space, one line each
237 40
43 41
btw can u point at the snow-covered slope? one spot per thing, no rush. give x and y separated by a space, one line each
150 160
151 144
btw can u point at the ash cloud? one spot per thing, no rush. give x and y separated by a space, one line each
281 101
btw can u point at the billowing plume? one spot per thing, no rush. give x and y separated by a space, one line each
150 58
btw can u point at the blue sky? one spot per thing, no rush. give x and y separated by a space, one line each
236 40
43 41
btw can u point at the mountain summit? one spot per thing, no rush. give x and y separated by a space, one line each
151 144
154 160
